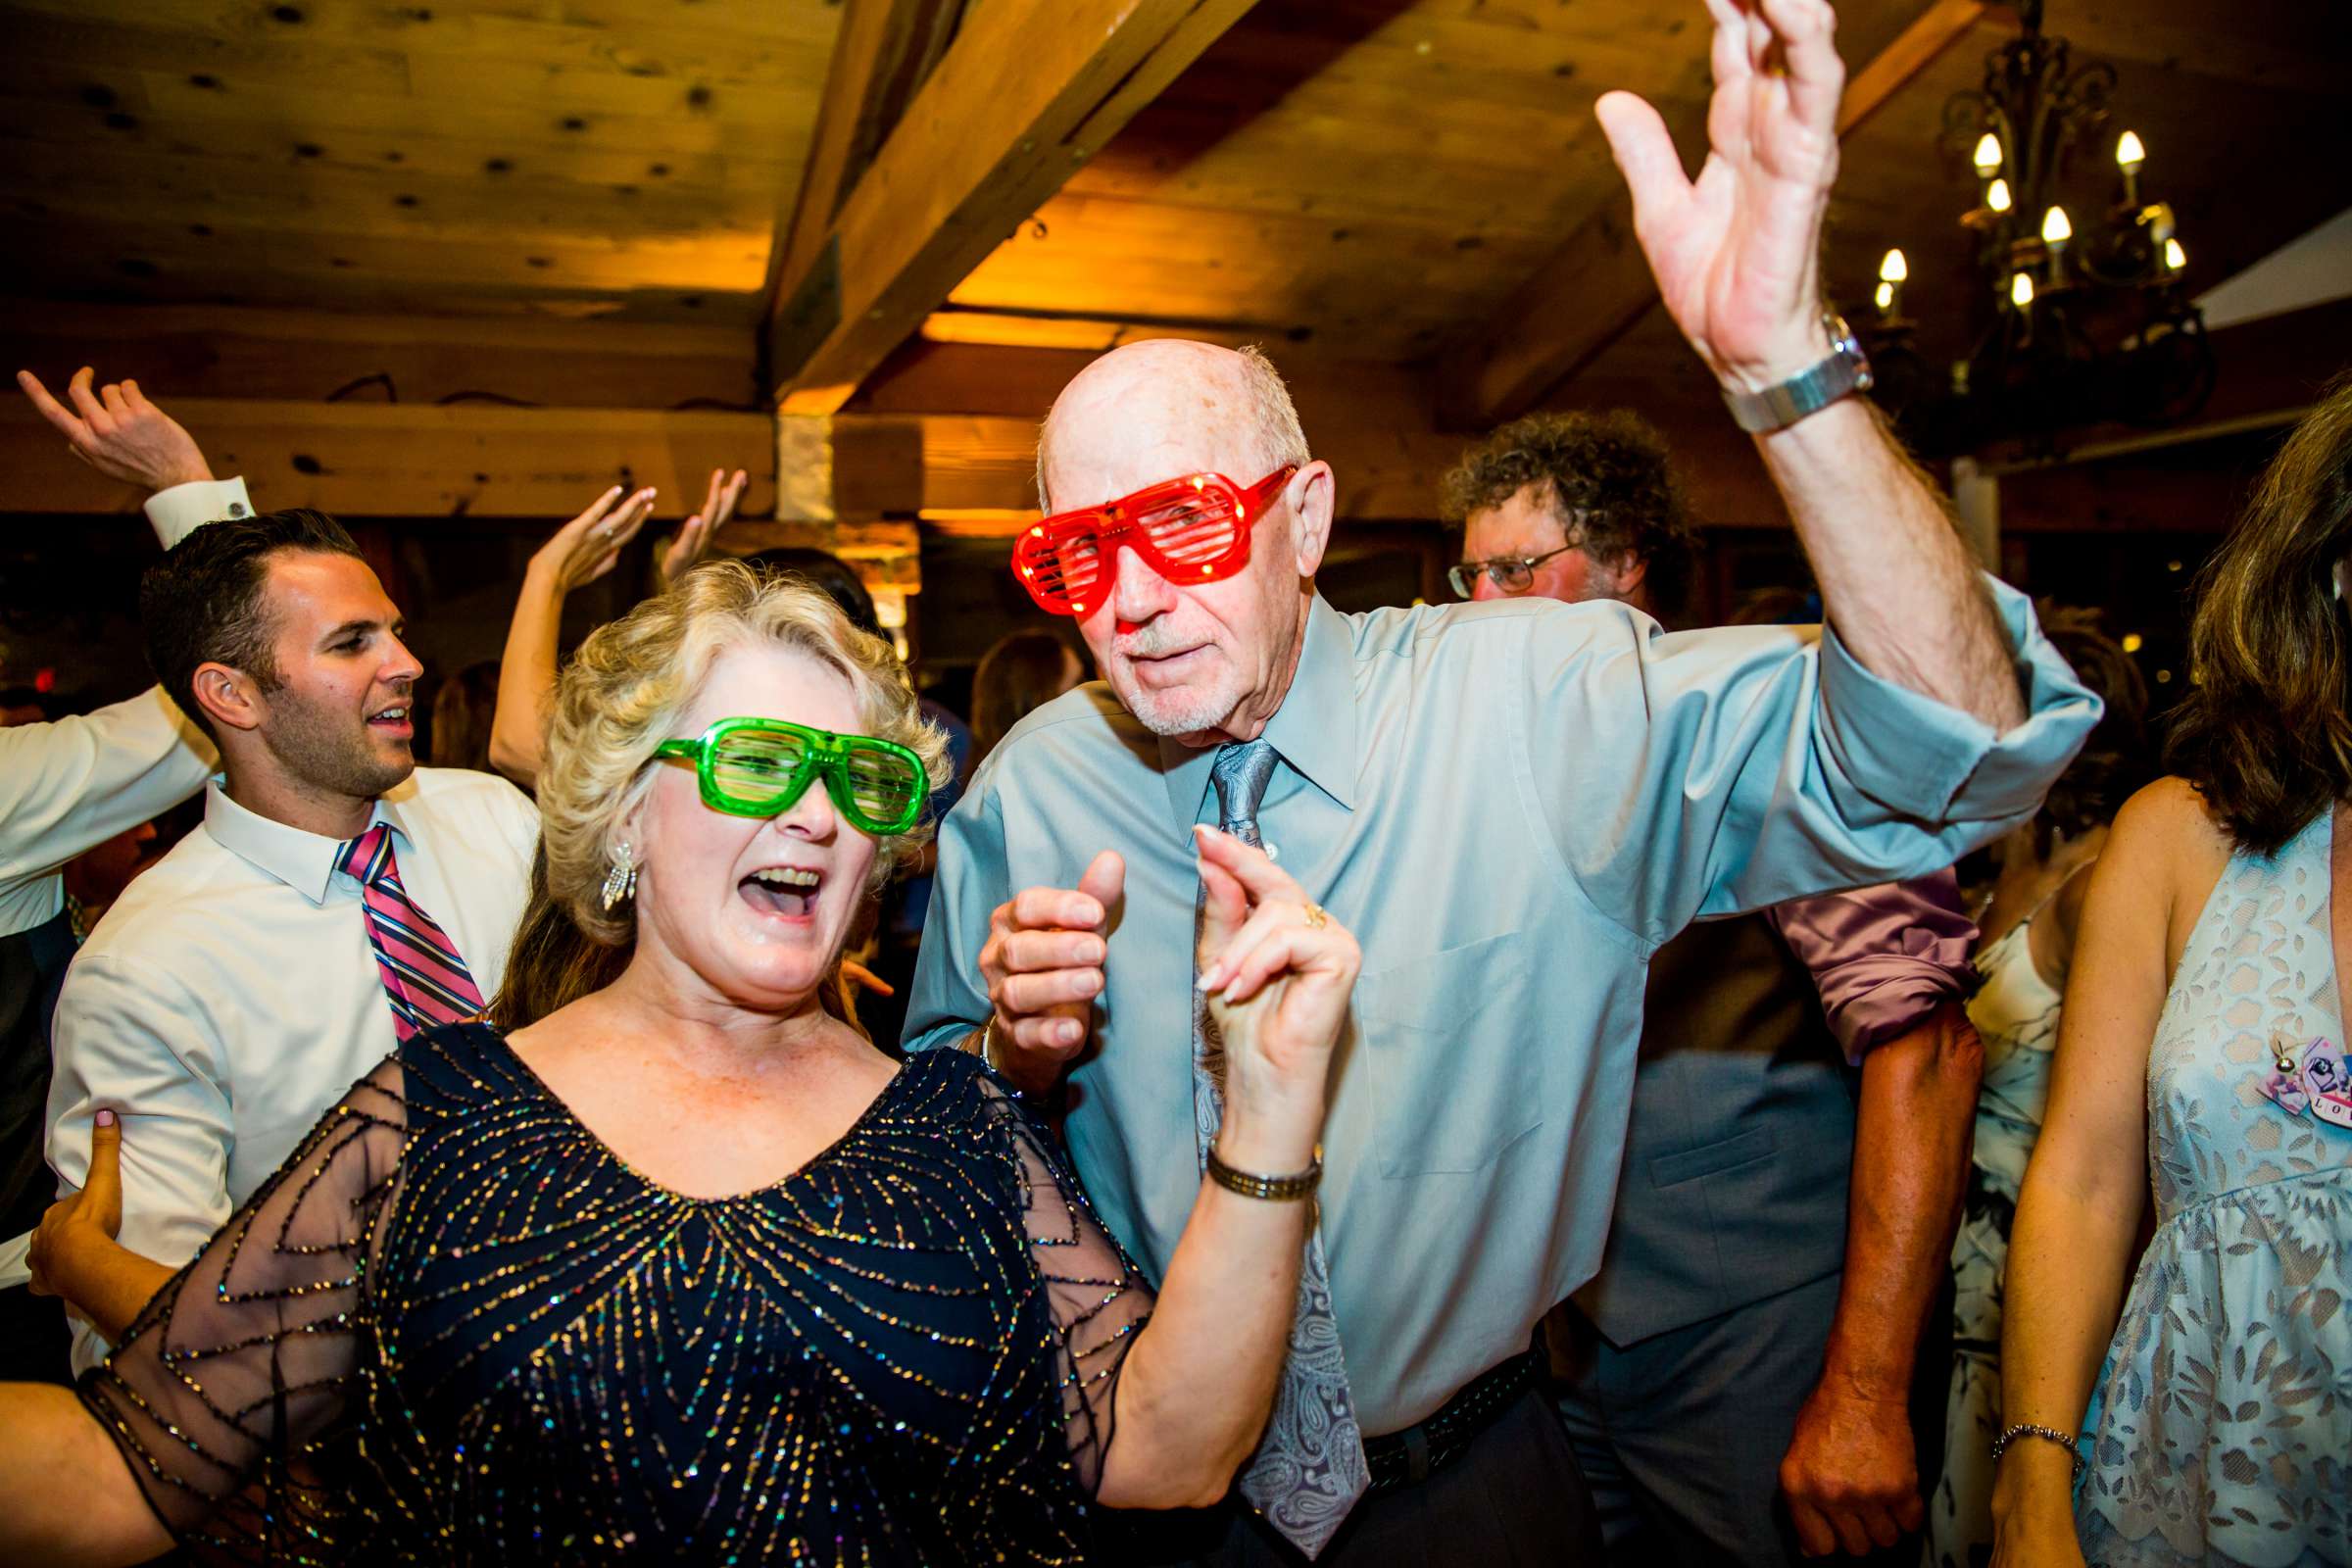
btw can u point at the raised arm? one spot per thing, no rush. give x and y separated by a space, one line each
228 1376
2079 1211
1736 254
580 552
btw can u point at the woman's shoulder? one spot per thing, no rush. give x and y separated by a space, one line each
2166 827
452 1067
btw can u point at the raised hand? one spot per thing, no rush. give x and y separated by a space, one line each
1278 971
585 547
119 432
1737 252
693 539
91 1217
1042 965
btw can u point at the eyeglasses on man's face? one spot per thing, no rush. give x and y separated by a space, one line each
1189 530
1513 574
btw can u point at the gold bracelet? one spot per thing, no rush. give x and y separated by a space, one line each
1275 1189
988 1054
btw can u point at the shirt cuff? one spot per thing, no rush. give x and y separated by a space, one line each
1947 766
183 508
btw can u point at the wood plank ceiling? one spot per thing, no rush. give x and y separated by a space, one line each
1344 179
1371 178
587 159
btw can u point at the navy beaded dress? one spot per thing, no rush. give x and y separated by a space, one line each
454 1327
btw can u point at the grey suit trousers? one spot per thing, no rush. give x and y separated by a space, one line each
1681 1435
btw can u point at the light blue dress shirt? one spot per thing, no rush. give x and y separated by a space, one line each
1511 804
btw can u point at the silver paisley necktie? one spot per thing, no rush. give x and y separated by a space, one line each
1309 1467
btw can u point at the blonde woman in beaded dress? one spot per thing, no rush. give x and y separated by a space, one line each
667 1263
2027 942
2202 1042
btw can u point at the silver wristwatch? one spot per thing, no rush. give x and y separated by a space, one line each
1776 407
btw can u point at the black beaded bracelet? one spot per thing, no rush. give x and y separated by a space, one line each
1277 1188
2030 1429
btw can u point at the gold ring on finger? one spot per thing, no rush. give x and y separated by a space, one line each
1317 918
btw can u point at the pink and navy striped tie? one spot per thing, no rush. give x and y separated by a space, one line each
424 980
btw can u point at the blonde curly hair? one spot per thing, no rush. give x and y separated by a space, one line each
628 688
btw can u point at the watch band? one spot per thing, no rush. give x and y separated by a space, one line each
1277 1188
1844 372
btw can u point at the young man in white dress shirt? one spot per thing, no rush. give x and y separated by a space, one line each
235 990
64 788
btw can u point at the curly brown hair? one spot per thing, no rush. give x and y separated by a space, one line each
2264 733
1609 480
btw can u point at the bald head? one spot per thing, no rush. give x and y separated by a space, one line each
1161 408
1202 662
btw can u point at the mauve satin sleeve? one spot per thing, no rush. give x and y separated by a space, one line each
1884 957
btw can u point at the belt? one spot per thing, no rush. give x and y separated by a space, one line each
1398 1459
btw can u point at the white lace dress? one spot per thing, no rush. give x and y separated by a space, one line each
2224 1426
2016 1016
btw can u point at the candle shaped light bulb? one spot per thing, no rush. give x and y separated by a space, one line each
2056 230
1988 157
1996 195
2021 290
1892 269
1885 298
2129 156
2175 258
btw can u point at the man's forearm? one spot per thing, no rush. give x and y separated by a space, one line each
1895 579
1911 1147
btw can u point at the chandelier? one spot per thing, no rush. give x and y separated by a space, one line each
2078 313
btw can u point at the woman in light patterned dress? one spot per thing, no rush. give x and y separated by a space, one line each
2203 1033
2028 944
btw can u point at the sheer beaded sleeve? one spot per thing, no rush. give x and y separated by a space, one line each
231 1384
1097 1297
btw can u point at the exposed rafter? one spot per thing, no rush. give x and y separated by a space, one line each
1026 93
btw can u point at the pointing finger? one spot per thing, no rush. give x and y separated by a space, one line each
1253 868
54 412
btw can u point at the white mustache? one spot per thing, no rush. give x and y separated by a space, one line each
1150 642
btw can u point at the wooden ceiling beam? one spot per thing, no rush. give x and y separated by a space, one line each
1598 284
1028 91
882 55
359 460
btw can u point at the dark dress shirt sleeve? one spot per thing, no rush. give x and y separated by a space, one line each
1882 957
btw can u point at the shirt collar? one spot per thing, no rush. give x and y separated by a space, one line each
1314 728
304 861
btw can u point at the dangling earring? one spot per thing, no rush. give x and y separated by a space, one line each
620 882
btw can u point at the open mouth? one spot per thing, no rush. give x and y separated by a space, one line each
393 720
788 892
